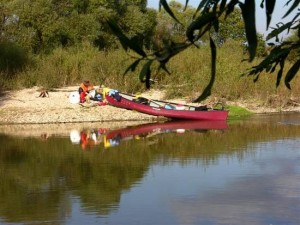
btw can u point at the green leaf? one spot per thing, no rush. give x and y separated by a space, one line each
148 76
163 66
203 20
248 13
200 6
295 4
279 74
223 5
132 67
275 56
118 32
277 31
256 78
216 25
291 74
146 72
207 90
125 41
230 7
270 4
168 52
168 10
274 67
186 4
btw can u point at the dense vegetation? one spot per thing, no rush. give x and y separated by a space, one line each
59 42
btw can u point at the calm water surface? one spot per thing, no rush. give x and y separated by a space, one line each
240 172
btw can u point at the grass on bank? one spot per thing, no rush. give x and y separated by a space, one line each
236 112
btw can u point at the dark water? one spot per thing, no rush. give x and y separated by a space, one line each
240 172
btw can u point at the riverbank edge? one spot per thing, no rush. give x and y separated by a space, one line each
26 107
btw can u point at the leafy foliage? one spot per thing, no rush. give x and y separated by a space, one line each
280 52
44 25
168 30
207 19
207 90
12 59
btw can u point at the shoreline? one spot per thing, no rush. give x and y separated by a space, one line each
26 107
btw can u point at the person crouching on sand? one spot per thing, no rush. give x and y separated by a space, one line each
84 89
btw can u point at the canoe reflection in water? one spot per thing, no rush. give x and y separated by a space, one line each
110 138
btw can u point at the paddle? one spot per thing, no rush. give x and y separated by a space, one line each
160 103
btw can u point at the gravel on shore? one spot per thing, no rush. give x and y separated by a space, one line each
26 107
24 113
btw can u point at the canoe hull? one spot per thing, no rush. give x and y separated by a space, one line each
215 115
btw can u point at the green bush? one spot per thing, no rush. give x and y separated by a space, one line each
12 59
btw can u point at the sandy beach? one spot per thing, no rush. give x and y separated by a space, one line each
24 113
26 107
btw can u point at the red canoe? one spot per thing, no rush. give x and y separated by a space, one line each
165 109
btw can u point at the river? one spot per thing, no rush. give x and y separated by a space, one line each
244 171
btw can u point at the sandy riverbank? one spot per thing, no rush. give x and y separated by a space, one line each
26 107
24 113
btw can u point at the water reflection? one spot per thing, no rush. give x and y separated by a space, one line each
246 174
88 138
